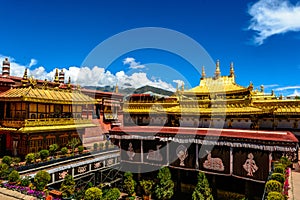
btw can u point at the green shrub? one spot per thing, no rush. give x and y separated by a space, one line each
273 186
7 160
68 186
279 169
278 177
25 181
112 194
44 154
93 193
16 160
165 187
13 176
4 171
285 161
64 150
275 196
41 179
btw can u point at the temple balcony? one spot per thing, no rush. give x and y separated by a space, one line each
13 123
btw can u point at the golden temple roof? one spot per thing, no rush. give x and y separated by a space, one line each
223 84
46 96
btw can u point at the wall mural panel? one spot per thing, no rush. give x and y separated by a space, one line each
131 150
214 159
182 155
250 163
155 152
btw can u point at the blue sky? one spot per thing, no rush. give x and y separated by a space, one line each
262 38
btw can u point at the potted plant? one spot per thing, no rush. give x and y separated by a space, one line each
147 186
29 158
44 153
101 145
53 148
64 151
13 177
80 149
73 143
107 144
95 146
202 190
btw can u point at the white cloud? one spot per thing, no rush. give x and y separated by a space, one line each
287 88
132 63
271 17
296 93
86 76
178 82
32 62
270 86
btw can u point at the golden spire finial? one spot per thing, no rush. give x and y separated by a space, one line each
25 78
182 86
69 83
217 72
117 88
231 69
25 74
203 75
56 76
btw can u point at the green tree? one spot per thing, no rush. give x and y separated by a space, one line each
13 176
112 194
129 183
93 193
44 153
68 186
147 186
41 179
165 187
7 160
202 190
53 148
73 143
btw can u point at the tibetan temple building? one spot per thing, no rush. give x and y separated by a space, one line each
232 133
35 114
216 102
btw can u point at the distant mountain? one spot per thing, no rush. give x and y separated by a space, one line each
127 91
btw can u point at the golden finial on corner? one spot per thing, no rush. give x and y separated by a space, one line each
250 87
217 72
45 84
56 79
69 83
25 78
117 88
203 75
231 69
